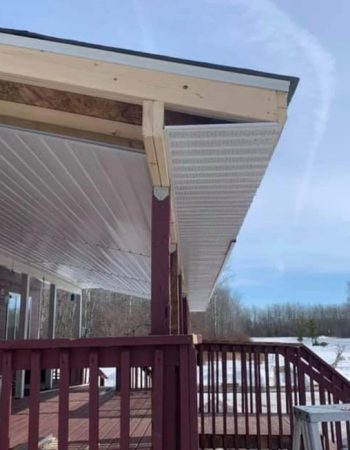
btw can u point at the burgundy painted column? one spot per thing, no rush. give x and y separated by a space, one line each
181 321
22 330
51 329
186 314
160 266
175 328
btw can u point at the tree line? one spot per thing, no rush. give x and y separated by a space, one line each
227 318
108 313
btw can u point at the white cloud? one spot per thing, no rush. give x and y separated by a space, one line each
284 38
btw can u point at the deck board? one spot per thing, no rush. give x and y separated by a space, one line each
109 420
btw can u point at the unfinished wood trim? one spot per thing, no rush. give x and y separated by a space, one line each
69 120
70 132
154 142
282 105
87 105
183 93
156 152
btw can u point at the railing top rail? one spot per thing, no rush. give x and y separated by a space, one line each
128 341
326 366
253 343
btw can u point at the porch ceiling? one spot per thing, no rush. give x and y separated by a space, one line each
215 172
75 209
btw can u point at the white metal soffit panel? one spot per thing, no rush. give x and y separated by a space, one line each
75 209
215 172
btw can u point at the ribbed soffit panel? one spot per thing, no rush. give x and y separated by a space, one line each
215 171
75 209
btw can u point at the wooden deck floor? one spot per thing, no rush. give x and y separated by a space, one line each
140 422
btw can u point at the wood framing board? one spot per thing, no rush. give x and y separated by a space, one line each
84 135
156 152
153 136
69 120
133 84
87 105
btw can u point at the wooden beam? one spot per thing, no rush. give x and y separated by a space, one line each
52 312
153 138
156 151
87 135
282 105
51 333
111 80
22 330
87 105
174 280
69 120
160 262
78 319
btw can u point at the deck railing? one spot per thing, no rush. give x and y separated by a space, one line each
171 361
247 392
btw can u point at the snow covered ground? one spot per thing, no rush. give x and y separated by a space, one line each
328 352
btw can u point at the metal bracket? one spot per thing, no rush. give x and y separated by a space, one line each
160 192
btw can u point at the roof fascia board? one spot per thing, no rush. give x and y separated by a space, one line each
182 93
145 62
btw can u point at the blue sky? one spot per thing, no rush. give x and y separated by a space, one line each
295 242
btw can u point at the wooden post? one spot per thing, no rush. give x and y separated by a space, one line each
51 328
77 375
52 312
175 329
22 330
78 316
160 266
181 319
186 314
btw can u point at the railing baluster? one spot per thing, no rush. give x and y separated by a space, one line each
289 394
295 384
268 399
257 397
250 382
34 401
201 390
224 392
278 393
125 400
63 405
93 401
245 393
157 400
324 424
185 425
213 410
301 380
235 398
5 400
217 383
192 381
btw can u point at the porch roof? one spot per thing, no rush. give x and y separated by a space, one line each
87 130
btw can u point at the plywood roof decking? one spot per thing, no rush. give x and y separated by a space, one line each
75 209
215 172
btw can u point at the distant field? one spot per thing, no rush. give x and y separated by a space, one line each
328 353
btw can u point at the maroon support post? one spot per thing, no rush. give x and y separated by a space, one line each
160 266
185 313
